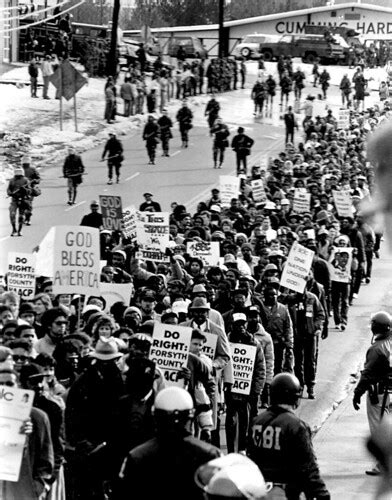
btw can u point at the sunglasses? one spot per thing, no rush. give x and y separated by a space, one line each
17 357
8 383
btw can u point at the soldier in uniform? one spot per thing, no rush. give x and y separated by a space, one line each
184 118
19 191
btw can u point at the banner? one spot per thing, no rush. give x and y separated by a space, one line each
170 349
229 187
21 274
153 235
340 262
112 214
243 357
209 347
115 292
76 260
208 252
129 223
343 203
15 408
258 191
297 268
343 118
301 201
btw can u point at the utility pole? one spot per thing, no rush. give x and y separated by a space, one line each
221 14
112 57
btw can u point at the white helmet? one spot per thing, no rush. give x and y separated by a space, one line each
173 410
232 476
173 399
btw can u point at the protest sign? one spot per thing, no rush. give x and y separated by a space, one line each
153 235
343 203
15 407
344 118
207 251
297 268
209 346
170 349
76 260
243 357
112 214
258 191
44 255
340 262
129 223
21 274
301 201
229 187
115 292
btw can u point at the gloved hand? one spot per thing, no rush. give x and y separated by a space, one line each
324 335
184 373
356 401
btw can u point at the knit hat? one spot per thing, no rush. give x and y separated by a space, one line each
132 309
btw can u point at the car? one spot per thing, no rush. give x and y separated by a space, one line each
249 48
192 45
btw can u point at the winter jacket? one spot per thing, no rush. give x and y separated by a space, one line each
277 323
314 315
73 165
267 345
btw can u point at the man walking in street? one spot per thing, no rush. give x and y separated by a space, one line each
73 170
241 144
220 132
151 136
19 192
184 118
165 125
114 150
290 124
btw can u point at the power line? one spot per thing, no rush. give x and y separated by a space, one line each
23 16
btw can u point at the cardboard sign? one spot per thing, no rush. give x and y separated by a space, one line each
170 349
258 191
115 292
112 214
76 260
21 274
343 118
129 223
207 251
209 347
343 203
15 407
297 268
243 357
340 262
153 235
229 187
301 201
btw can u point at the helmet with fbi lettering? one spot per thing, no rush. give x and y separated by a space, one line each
380 323
285 389
173 410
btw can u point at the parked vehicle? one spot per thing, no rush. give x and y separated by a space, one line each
192 45
153 47
249 48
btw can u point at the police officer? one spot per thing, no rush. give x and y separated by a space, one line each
281 443
184 118
19 192
114 149
374 376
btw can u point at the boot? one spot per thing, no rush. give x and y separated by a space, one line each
20 229
73 198
118 179
14 231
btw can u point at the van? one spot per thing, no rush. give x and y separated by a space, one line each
249 48
192 45
152 47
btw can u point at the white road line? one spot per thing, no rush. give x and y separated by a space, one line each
5 238
105 190
175 153
74 206
132 176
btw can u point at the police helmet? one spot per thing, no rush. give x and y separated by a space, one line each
285 389
380 322
173 408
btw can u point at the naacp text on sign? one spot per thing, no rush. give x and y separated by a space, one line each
297 268
208 252
111 208
343 203
76 260
209 346
21 274
243 357
15 407
170 349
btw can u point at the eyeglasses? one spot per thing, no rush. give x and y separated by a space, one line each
8 383
60 323
20 357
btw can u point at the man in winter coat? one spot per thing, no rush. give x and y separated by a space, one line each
33 73
47 72
220 132
241 145
19 191
114 150
184 118
73 169
126 93
151 136
212 111
165 124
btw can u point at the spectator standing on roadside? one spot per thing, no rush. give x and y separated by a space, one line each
47 72
33 73
127 96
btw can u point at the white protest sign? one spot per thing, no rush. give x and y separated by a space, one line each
170 349
297 268
207 251
21 274
209 346
340 262
243 357
44 263
343 203
229 187
129 223
153 234
115 292
343 118
301 201
258 191
76 260
15 407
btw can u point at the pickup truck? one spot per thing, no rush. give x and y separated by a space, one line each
308 47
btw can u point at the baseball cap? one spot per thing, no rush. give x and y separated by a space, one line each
239 317
148 295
